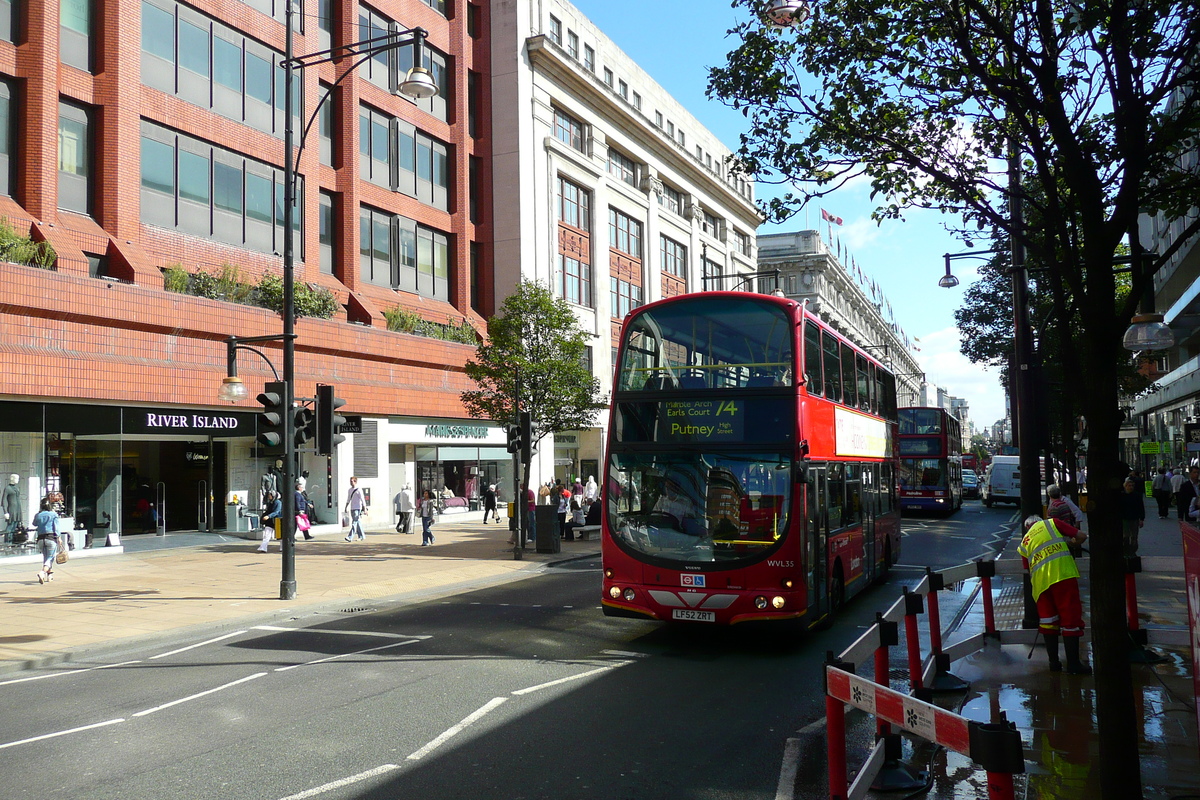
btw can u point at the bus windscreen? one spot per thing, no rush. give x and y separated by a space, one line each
694 507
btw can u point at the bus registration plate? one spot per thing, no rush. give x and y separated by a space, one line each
695 616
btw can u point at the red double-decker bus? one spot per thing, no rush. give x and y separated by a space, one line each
751 464
930 444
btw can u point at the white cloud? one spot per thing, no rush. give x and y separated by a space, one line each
946 366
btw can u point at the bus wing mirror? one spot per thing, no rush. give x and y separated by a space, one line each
800 471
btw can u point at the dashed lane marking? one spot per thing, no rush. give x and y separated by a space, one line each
200 694
61 733
68 672
471 719
338 784
199 644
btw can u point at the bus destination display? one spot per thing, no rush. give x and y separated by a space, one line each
702 420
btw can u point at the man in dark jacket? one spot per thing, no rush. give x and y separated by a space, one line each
1187 490
1133 516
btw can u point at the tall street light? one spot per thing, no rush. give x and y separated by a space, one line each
418 83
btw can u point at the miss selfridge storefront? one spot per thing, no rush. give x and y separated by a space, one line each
118 466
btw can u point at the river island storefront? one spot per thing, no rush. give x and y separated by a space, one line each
130 469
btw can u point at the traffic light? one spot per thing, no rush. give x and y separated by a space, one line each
515 445
328 420
270 421
304 424
525 428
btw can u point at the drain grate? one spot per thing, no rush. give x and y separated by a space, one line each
357 610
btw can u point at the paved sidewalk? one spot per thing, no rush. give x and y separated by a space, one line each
97 604
1055 712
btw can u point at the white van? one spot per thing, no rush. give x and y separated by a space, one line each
1002 481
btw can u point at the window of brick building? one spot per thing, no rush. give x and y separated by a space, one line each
7 156
74 158
75 33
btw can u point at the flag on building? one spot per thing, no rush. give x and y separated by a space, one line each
825 215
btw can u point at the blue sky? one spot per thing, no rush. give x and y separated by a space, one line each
676 42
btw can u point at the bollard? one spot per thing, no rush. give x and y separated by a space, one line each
913 605
943 679
986 570
835 734
889 634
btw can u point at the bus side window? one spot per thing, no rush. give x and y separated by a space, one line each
836 481
833 369
864 391
849 387
854 499
812 359
888 401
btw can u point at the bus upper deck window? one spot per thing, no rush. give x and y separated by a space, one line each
812 359
833 369
849 386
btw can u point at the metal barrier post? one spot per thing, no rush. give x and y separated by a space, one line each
835 730
913 605
986 570
1138 636
893 775
996 746
943 679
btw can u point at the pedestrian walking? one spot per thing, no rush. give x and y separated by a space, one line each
1187 490
46 523
354 506
1133 517
1162 492
564 509
428 510
303 523
1055 578
405 506
489 503
272 510
1178 476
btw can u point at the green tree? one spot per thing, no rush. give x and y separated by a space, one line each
924 98
534 360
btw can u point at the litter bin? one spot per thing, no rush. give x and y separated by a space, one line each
547 529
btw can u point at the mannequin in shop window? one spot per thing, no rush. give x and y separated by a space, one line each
13 518
271 481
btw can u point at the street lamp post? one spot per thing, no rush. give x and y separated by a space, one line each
418 83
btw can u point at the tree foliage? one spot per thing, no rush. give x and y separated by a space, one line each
1095 107
534 360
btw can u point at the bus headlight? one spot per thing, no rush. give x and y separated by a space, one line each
787 583
614 592
777 602
629 595
760 602
608 573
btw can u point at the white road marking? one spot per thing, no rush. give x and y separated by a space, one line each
474 717
200 694
568 679
62 733
343 633
786 789
200 644
345 655
68 672
362 776
624 653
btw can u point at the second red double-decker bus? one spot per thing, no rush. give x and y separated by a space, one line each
750 473
930 460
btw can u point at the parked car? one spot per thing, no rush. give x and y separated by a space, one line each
970 483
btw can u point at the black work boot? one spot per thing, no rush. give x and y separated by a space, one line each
1074 665
1052 651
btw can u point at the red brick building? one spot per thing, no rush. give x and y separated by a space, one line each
143 139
